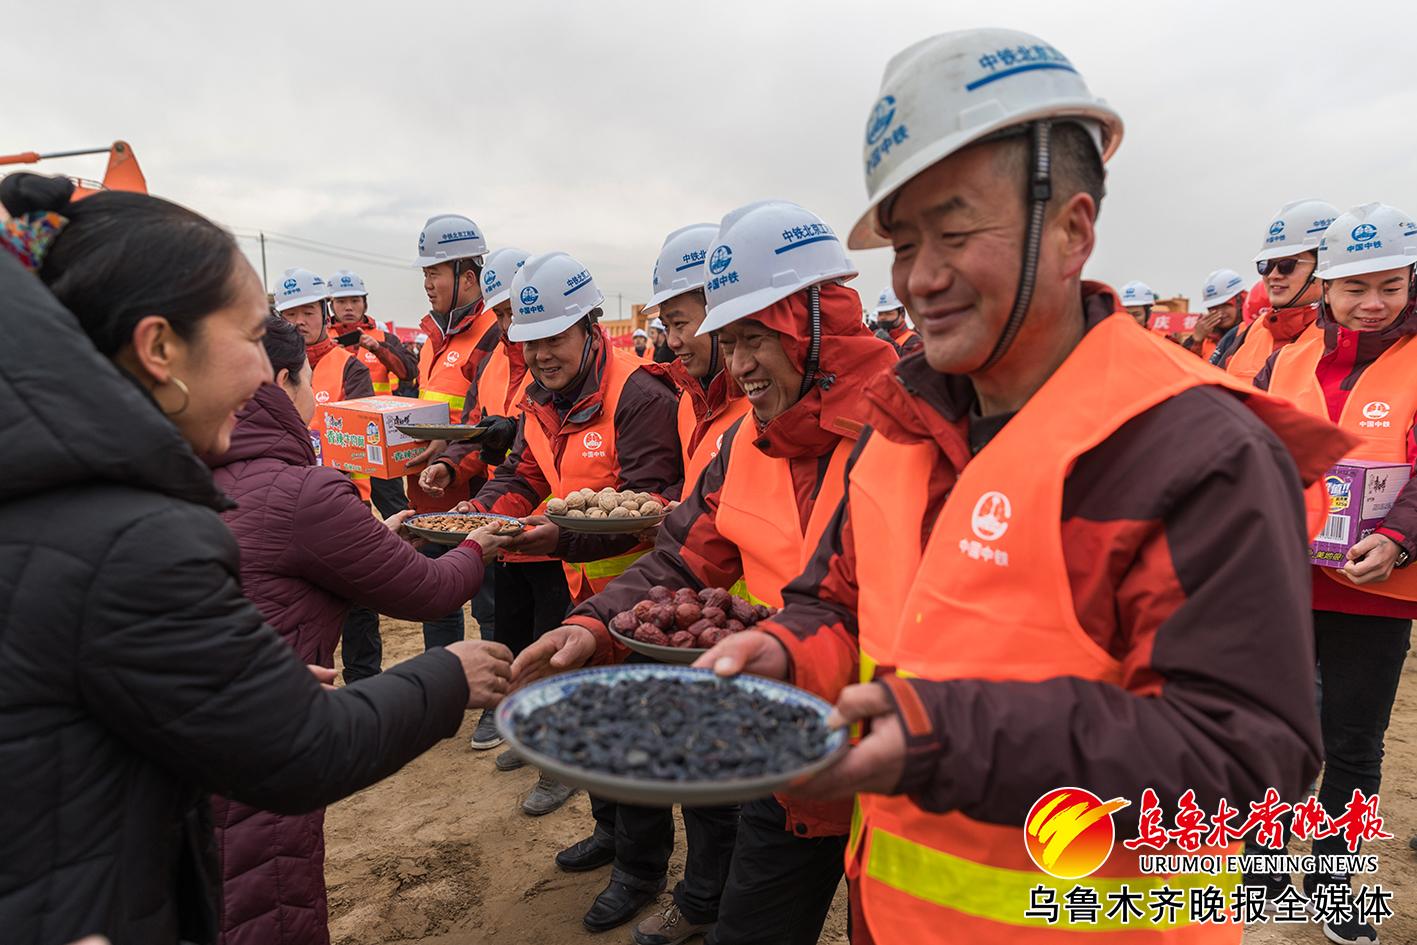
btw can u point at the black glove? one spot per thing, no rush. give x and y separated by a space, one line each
501 434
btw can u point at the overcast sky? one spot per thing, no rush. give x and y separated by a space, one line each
598 127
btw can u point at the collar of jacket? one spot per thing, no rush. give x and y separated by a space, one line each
1286 324
1368 345
269 427
554 410
319 349
459 321
914 402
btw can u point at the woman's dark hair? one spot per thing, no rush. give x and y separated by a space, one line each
284 346
124 256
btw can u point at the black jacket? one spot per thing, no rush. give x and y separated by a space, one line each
134 677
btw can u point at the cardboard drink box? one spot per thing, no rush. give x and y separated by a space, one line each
1360 494
360 435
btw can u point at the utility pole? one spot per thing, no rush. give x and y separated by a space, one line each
264 280
620 306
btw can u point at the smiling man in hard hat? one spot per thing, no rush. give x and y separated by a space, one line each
791 335
592 418
1033 568
710 401
641 343
1286 261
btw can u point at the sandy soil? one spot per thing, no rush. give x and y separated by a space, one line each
440 854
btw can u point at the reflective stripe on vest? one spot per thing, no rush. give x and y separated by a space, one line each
757 511
989 597
588 461
711 441
440 373
1380 410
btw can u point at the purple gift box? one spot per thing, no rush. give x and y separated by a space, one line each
1360 494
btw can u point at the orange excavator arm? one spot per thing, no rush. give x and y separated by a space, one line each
123 172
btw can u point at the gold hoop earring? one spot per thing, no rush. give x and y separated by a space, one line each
186 398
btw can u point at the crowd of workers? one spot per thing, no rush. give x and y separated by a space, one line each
1028 543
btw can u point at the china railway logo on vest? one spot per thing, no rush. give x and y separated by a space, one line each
1069 832
594 444
322 397
452 358
991 516
1375 414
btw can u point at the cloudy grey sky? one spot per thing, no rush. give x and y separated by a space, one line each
598 127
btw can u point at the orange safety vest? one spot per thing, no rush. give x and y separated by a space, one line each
1380 410
588 460
1256 347
440 373
988 598
378 371
757 511
327 379
697 460
495 395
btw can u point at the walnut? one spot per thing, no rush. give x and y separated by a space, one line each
556 507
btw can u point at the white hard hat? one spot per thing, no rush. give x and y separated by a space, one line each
657 324
346 285
449 236
680 266
947 92
887 302
1370 238
763 253
1221 286
550 294
1296 228
1136 293
299 287
641 333
498 272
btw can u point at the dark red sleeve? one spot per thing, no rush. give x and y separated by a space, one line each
339 546
398 359
356 381
1401 522
1192 573
519 485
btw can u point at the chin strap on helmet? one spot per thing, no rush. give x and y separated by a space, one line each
814 348
1040 191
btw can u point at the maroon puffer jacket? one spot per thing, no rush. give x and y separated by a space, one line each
308 547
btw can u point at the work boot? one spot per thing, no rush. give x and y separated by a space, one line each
486 736
668 927
620 901
1340 925
509 760
548 795
585 855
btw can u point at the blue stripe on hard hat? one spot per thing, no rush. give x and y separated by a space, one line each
1027 67
810 239
1319 229
458 239
696 262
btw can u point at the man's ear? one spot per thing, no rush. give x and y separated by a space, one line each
1075 226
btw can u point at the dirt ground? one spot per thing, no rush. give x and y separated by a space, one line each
440 854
